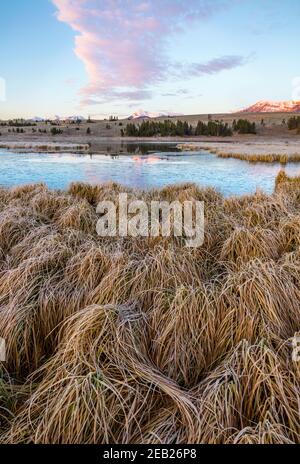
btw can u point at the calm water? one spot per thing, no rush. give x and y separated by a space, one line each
161 166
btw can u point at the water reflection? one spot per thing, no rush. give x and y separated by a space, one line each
147 166
138 148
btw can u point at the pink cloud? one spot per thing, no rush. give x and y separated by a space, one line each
121 42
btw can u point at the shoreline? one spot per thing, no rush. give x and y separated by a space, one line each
45 147
282 151
246 148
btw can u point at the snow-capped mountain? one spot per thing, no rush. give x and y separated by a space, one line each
75 118
273 107
141 114
37 119
69 118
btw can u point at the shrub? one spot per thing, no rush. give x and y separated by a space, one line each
55 131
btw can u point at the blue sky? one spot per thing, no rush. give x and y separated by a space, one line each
101 57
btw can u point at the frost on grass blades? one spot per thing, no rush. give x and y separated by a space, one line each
162 218
296 348
2 350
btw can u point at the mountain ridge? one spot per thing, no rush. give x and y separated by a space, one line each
141 114
268 106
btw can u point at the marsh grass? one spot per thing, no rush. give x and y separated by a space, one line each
143 340
263 158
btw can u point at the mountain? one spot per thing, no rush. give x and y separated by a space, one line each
36 119
75 118
69 119
141 114
273 107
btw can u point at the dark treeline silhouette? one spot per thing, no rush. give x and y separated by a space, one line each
294 123
216 128
17 123
243 126
169 128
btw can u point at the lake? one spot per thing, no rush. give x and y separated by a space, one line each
140 165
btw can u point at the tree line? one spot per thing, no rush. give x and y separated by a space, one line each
215 128
152 128
243 126
169 128
17 123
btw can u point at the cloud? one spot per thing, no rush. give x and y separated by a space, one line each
122 42
108 95
70 81
211 67
217 65
175 93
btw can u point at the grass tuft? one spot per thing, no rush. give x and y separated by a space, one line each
142 340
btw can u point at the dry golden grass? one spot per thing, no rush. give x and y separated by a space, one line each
263 158
143 340
255 151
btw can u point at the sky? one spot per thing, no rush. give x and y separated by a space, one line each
115 57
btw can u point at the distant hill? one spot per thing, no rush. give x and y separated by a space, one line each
273 107
58 118
36 119
141 114
75 118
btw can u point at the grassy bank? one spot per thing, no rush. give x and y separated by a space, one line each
143 340
50 147
252 152
263 158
